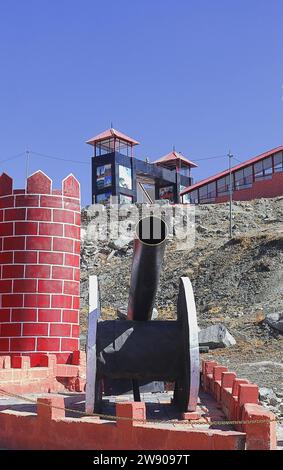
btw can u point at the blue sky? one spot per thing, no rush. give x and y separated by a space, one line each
205 76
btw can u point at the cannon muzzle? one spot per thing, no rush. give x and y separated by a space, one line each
149 248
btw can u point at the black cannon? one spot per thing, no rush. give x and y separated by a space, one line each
138 349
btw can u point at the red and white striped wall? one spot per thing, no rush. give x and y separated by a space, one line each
39 267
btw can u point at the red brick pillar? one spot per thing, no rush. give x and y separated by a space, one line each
40 268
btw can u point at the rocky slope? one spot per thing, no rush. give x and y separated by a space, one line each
235 281
231 278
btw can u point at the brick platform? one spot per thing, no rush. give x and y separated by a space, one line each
238 398
17 376
222 397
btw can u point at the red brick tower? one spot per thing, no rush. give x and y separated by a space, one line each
40 267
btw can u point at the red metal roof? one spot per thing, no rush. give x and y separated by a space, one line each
108 134
210 179
173 157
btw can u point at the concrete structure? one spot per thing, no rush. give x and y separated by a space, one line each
40 268
115 172
261 176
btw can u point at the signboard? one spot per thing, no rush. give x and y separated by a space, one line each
167 193
103 176
125 199
104 197
125 177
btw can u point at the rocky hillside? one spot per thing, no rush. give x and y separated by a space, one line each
231 278
236 282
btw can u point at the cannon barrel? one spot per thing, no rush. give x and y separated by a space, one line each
138 350
149 247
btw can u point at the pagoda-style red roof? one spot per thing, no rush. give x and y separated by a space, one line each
109 134
210 179
171 158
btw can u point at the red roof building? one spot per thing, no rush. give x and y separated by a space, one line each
115 172
260 176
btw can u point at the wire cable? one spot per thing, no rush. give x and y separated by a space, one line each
13 157
87 163
209 158
58 158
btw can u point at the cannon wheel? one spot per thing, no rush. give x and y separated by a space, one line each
187 387
93 395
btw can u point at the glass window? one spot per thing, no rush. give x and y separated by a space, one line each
123 147
248 175
244 178
185 171
267 166
211 190
278 162
186 198
258 170
104 147
203 193
194 197
239 179
263 169
223 185
207 193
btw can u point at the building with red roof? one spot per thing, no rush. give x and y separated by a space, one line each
260 176
116 172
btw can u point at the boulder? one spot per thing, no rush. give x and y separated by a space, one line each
216 336
266 394
275 321
120 243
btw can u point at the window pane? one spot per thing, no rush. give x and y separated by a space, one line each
203 191
267 166
223 185
185 171
248 171
244 178
278 162
194 197
258 169
267 163
211 190
248 175
239 178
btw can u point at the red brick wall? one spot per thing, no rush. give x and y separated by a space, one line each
40 263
